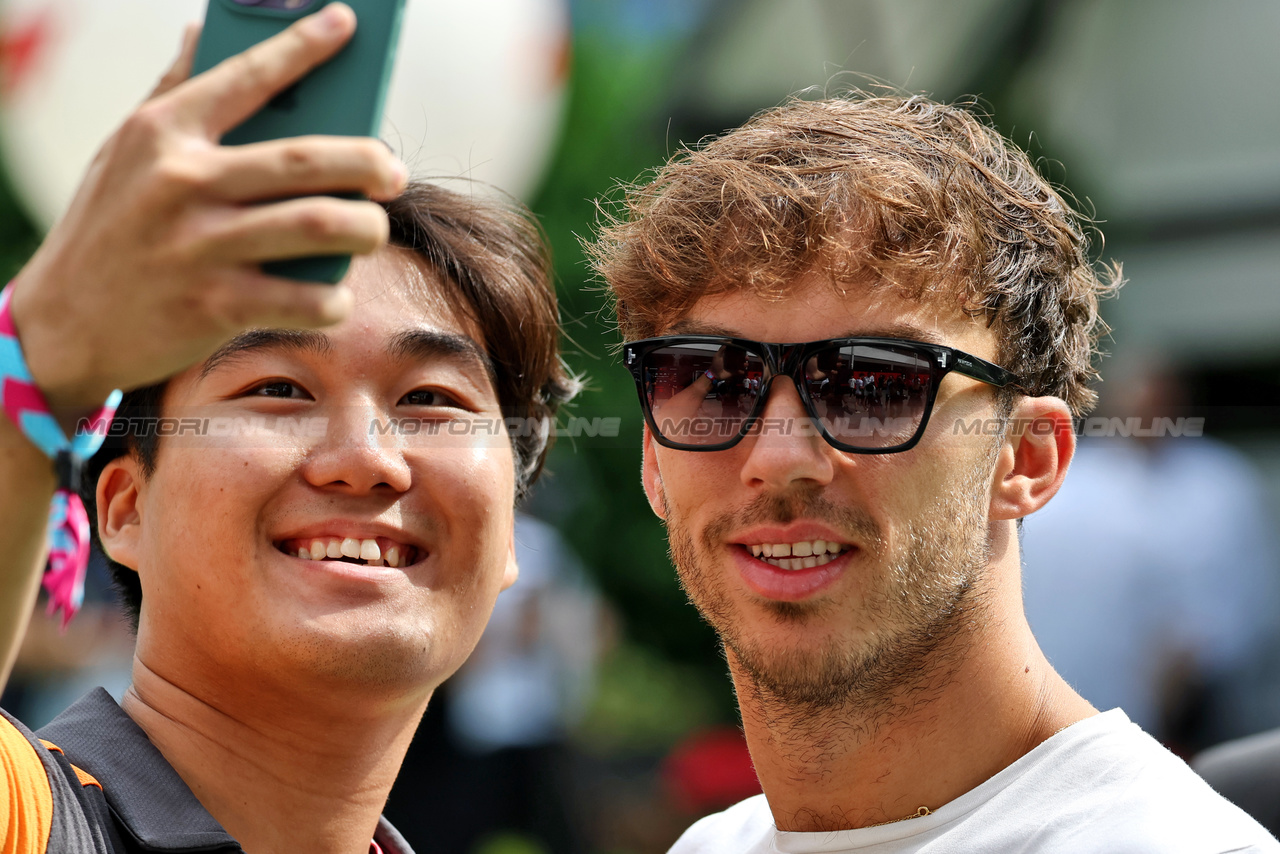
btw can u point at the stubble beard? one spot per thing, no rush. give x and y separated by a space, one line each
915 611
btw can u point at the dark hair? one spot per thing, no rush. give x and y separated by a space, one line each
495 259
898 190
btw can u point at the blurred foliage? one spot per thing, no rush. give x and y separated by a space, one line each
18 236
644 704
510 843
614 132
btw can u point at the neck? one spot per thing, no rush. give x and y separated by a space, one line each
985 697
309 772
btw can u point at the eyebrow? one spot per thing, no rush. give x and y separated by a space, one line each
414 344
903 331
426 344
255 340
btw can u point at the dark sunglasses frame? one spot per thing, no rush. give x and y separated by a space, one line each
788 360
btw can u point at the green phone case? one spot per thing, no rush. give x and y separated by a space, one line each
343 97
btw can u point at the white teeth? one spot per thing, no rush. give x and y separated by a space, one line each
809 548
832 551
366 550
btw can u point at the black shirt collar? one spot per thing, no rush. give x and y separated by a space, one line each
147 796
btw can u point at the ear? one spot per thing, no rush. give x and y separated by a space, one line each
651 477
1034 458
512 570
119 516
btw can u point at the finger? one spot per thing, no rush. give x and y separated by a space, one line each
181 68
307 166
235 89
299 228
257 299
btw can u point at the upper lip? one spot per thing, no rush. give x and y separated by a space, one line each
347 528
797 532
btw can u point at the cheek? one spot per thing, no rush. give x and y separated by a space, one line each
687 482
932 490
473 490
205 503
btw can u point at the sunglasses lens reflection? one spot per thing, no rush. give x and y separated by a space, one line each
700 394
864 396
869 396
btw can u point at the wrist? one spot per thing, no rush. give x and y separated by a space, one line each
27 407
60 364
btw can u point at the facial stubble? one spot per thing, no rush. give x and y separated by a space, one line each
918 599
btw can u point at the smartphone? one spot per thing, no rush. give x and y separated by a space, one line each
343 97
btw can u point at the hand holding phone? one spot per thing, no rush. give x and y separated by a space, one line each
156 262
343 97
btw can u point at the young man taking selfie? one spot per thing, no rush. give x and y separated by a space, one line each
298 593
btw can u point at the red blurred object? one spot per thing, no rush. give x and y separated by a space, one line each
21 46
710 770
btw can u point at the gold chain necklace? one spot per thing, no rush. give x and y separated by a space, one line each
920 813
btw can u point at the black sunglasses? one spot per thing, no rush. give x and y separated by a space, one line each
864 395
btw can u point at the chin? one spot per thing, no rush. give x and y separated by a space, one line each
372 655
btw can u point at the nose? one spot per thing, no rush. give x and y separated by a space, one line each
786 448
354 457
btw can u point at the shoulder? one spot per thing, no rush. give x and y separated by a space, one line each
43 806
745 828
1110 784
26 810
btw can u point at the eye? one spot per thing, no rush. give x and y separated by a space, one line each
430 397
277 388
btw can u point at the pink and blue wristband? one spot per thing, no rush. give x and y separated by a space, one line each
26 407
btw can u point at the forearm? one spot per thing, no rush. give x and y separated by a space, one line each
26 487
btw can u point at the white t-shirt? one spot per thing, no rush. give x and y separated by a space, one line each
1101 785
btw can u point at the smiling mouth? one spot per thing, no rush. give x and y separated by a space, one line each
806 554
361 552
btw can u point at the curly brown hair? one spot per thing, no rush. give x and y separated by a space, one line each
899 190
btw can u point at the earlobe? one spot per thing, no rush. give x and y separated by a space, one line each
119 516
652 477
512 570
1034 457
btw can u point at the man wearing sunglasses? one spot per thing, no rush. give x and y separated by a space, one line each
906 312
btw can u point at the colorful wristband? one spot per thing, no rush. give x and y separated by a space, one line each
26 407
